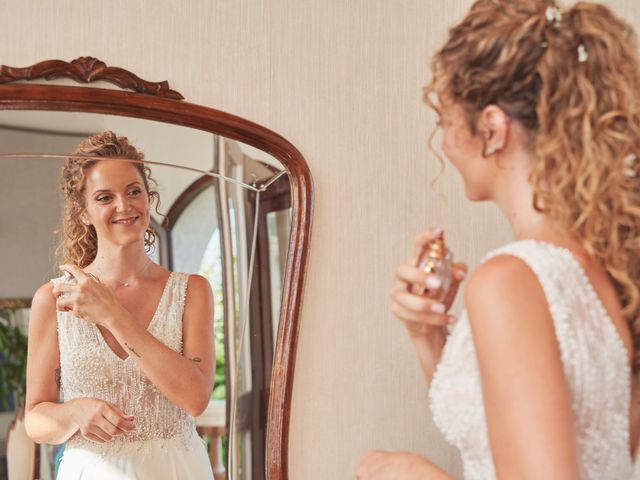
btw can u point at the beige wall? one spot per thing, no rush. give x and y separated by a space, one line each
341 80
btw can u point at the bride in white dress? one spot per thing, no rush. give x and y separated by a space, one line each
126 344
540 112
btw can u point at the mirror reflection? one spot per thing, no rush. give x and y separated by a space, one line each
225 218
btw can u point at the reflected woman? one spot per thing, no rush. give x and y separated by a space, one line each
540 111
126 344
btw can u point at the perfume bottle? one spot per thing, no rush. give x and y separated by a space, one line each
435 259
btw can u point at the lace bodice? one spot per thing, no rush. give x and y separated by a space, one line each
594 361
89 368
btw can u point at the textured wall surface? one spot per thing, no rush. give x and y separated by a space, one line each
342 81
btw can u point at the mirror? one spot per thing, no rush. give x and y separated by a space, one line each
235 205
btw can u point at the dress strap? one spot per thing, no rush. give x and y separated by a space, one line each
168 328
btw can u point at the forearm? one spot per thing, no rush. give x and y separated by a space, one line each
180 379
51 422
429 350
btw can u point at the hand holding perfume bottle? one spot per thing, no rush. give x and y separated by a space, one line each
436 260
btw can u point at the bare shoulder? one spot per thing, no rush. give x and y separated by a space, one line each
504 297
43 309
43 299
198 289
198 283
504 279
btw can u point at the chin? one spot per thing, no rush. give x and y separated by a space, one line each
476 196
126 240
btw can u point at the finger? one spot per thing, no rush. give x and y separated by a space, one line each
418 303
118 412
75 271
93 277
124 423
65 303
410 274
409 316
397 288
109 428
459 271
425 237
62 288
93 438
99 433
458 274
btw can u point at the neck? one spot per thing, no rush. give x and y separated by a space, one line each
514 196
120 263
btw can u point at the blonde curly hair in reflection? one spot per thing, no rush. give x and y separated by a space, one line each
583 116
79 243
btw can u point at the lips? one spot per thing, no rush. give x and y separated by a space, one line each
126 221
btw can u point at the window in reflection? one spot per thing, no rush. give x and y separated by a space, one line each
278 227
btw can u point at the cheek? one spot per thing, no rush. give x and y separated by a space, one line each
450 147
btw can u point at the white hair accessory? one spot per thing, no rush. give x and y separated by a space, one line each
629 164
583 55
554 15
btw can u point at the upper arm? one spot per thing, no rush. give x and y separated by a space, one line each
197 325
43 355
526 396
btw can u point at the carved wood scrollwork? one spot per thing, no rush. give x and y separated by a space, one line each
87 70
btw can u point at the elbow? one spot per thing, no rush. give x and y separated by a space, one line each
41 429
198 405
31 430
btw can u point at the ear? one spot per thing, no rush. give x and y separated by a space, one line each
494 125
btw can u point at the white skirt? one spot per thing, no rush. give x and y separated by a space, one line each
152 460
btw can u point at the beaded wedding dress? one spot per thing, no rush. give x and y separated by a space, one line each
165 444
594 360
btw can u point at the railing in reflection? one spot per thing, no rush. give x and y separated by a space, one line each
211 427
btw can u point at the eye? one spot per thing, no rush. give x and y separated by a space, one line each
135 192
103 198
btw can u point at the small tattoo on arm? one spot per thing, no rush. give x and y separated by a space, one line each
58 376
196 359
132 350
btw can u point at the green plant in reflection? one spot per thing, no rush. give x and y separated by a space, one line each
13 362
211 269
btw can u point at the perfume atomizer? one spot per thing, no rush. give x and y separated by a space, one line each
68 278
435 259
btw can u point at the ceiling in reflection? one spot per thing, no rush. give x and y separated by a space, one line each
46 132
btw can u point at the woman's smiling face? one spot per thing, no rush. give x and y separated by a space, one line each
116 202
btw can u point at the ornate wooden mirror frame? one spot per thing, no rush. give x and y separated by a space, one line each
156 101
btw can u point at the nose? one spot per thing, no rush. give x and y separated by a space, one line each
122 203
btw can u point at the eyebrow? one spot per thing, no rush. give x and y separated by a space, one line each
107 190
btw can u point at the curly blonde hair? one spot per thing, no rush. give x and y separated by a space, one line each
574 84
79 243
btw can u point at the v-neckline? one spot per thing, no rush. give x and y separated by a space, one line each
104 343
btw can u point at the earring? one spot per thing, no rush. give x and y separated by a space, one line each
490 150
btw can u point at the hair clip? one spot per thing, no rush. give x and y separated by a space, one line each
554 15
583 55
629 163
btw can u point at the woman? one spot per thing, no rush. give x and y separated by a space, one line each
127 343
541 114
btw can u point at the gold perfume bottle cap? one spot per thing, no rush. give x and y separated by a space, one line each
436 248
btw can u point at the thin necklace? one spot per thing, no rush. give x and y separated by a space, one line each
126 284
